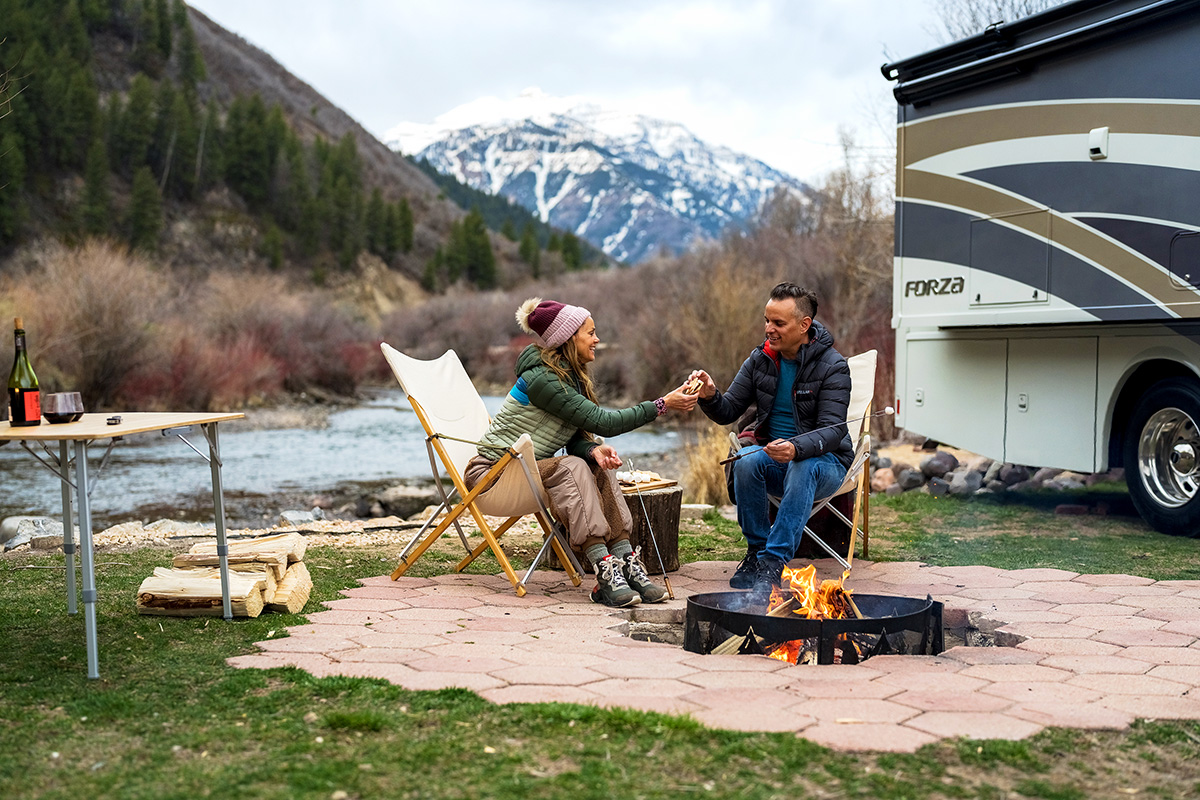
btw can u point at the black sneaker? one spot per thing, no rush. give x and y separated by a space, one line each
767 577
743 576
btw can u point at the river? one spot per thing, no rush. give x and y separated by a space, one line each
265 471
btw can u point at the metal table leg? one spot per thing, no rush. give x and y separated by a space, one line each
86 557
64 466
214 462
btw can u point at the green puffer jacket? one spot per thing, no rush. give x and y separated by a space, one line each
555 414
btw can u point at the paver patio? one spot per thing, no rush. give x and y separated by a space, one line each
1099 651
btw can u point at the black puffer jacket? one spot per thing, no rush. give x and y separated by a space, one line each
820 396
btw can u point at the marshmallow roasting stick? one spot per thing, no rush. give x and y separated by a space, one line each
887 412
657 552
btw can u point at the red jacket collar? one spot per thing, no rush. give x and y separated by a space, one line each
767 349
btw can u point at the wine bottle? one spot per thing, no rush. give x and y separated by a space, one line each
24 397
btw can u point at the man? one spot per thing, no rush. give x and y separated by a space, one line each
800 389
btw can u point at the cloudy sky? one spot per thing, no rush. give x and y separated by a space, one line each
776 79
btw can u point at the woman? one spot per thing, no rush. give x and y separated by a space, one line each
554 401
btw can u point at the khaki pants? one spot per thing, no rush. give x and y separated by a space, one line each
586 499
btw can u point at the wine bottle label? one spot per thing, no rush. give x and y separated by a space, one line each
33 405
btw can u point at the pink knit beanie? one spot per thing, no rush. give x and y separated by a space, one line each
550 323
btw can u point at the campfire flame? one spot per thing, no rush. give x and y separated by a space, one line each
799 593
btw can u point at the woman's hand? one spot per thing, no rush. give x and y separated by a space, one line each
606 457
680 400
707 388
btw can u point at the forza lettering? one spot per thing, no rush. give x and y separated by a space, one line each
934 286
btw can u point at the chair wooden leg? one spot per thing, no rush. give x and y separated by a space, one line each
854 520
866 523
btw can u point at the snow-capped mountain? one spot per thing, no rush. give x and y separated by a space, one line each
629 184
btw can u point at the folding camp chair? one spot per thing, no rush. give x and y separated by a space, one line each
858 476
454 418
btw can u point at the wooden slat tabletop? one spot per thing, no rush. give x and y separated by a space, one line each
95 426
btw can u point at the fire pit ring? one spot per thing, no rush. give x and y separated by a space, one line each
715 616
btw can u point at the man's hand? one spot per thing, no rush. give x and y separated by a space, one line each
606 457
781 450
707 388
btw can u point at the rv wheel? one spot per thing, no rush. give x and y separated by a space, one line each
1162 457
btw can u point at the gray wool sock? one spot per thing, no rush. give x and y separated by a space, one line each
596 553
621 549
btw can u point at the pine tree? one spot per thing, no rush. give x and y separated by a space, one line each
376 224
247 166
144 221
406 226
572 253
210 153
191 63
135 131
81 112
97 204
529 250
508 230
12 181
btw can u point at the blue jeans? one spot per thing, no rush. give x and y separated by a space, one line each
756 475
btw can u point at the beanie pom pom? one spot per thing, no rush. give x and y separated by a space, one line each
523 314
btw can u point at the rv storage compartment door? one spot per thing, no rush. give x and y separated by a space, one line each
1010 258
955 392
1052 403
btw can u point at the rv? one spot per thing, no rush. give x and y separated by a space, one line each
1046 294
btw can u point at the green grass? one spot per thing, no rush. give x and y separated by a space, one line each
169 719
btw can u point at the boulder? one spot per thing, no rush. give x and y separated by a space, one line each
1021 486
938 487
296 519
1046 473
910 479
965 481
881 479
694 510
403 501
894 490
980 464
1013 473
938 464
992 473
1063 483
995 485
882 462
48 533
8 528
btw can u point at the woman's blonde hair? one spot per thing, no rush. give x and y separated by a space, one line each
565 363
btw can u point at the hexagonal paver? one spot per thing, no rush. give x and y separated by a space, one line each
753 719
1013 673
973 725
736 680
932 700
1142 685
846 710
548 675
1092 716
1038 693
658 687
869 737
1095 664
1071 647
538 694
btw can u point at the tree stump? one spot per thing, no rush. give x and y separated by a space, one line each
661 514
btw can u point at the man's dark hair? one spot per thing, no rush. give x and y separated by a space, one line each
806 299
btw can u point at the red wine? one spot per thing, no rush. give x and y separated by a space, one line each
24 396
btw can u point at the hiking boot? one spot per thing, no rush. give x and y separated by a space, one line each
611 588
743 576
639 581
767 577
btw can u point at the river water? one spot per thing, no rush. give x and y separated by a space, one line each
150 475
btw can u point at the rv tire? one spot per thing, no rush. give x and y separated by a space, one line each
1162 456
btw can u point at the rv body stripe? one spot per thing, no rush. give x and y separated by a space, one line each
982 200
932 136
1141 149
1085 282
1151 192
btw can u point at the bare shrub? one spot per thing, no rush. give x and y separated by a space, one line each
703 476
96 309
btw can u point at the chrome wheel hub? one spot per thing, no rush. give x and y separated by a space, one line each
1167 459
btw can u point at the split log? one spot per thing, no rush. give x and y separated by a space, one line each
292 593
197 593
278 560
257 569
291 543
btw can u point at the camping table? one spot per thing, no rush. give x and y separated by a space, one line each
92 428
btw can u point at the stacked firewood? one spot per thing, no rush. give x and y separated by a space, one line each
264 573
